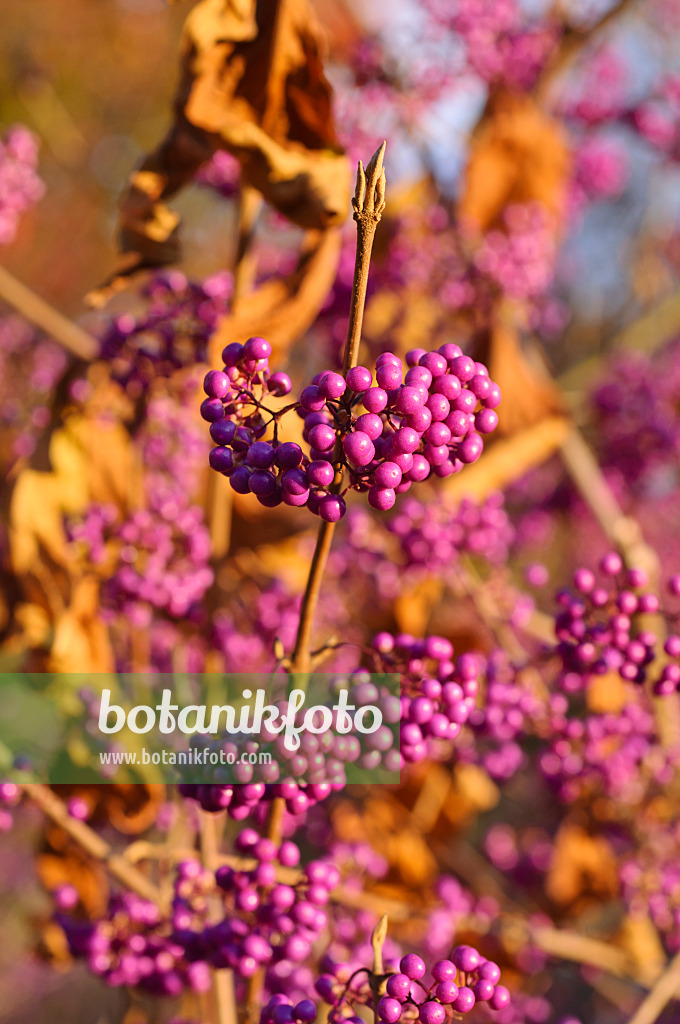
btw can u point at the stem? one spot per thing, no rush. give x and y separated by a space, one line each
659 997
301 658
221 1002
72 337
377 978
368 203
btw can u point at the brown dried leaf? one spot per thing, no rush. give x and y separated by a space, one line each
414 606
640 939
73 867
509 458
282 309
582 864
519 154
529 394
251 82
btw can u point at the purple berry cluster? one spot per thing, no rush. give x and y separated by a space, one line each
435 537
160 559
430 420
597 634
508 714
172 333
20 186
265 924
133 946
310 774
612 753
437 692
457 985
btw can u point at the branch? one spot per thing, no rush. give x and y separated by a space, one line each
72 337
662 993
117 865
368 203
574 41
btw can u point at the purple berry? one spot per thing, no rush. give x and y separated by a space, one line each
432 1013
399 986
500 999
389 1009
288 455
332 508
465 1000
381 498
375 399
359 448
413 966
359 378
332 385
320 473
280 384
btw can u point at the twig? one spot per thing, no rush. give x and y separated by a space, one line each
221 1004
73 338
589 479
659 997
574 41
116 864
368 203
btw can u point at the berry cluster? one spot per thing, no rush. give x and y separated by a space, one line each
437 692
159 559
315 770
596 633
509 710
430 420
172 334
20 186
435 537
457 985
266 924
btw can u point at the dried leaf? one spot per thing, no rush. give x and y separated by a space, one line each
582 864
252 83
510 458
519 154
641 940
282 309
529 394
413 607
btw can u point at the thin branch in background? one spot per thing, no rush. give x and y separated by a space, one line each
69 335
665 989
116 864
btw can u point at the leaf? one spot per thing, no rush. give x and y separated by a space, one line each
510 458
519 154
413 607
282 309
640 939
89 458
529 395
251 83
582 864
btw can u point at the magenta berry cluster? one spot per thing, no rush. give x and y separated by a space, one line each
596 628
388 433
455 986
437 691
